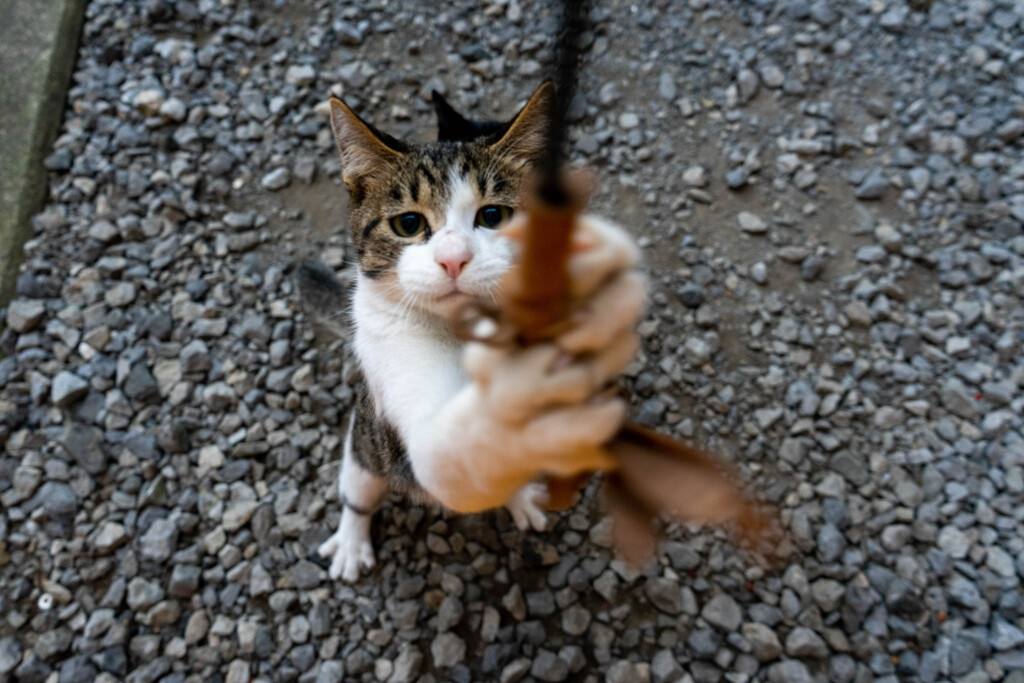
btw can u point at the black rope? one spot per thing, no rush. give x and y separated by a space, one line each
567 61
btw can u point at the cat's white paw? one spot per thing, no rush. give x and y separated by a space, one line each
527 507
351 553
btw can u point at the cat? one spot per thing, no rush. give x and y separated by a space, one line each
464 426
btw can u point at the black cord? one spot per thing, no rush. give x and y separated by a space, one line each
567 62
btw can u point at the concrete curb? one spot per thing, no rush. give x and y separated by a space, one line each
38 44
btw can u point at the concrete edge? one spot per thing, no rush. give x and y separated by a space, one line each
45 105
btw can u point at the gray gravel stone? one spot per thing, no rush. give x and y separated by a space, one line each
58 499
736 179
447 650
111 536
140 384
722 612
238 672
763 642
300 75
24 314
159 541
143 594
665 668
827 593
759 273
195 357
772 76
1004 635
803 642
547 666
406 666
67 389
664 594
121 294
278 179
751 223
575 620
872 187
704 643
625 672
184 580
10 654
515 670
449 614
306 575
239 514
958 399
789 671
696 176
84 444
77 670
954 542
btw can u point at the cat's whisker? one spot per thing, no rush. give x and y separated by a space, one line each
409 303
417 302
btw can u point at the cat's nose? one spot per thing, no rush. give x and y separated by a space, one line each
454 264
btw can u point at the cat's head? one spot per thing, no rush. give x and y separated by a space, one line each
424 216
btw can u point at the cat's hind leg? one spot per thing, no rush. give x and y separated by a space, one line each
527 507
360 492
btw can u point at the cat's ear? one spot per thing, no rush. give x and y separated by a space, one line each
364 149
526 133
451 125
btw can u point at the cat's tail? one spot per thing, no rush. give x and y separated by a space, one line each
323 297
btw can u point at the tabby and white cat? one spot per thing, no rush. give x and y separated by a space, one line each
466 427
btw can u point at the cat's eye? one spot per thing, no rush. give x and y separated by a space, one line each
492 216
408 224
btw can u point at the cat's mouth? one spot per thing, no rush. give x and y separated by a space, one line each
452 293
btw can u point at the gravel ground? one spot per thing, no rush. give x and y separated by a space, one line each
830 196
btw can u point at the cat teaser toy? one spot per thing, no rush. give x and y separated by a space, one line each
654 476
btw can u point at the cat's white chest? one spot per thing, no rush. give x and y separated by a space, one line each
411 365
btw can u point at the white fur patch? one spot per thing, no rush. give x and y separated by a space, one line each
410 361
426 285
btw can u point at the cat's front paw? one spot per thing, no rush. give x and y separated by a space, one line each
527 507
351 553
543 407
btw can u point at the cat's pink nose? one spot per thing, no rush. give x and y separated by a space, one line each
454 264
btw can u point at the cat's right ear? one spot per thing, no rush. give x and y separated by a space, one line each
364 150
526 134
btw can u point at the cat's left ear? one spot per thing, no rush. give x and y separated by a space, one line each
526 134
